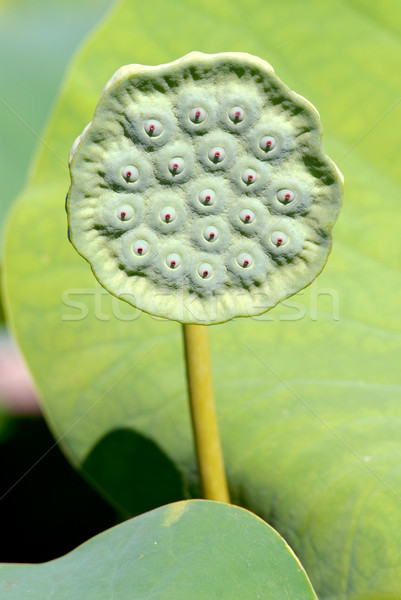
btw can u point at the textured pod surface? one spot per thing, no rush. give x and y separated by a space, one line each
211 159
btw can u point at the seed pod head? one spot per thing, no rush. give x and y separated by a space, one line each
201 191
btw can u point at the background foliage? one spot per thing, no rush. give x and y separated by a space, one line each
36 42
308 407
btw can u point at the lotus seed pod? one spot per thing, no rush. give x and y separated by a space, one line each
200 191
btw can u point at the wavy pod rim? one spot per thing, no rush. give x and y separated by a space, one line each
277 277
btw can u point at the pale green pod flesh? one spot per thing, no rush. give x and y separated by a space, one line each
196 147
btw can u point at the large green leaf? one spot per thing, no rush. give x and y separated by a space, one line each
194 549
307 394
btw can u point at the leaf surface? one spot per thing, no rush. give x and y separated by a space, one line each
193 549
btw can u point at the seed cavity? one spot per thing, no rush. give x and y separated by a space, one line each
173 260
176 165
130 173
125 212
205 270
245 260
207 197
153 127
168 214
237 114
217 154
197 115
249 176
211 233
247 215
278 238
267 143
285 196
140 247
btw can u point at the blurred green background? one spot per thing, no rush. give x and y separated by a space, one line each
37 40
48 510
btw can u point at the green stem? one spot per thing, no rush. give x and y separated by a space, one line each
204 422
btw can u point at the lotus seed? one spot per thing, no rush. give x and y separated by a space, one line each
211 233
125 212
247 216
168 214
198 114
237 114
130 173
140 247
173 260
176 165
278 238
217 154
267 143
245 259
153 127
249 176
207 197
205 270
285 196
